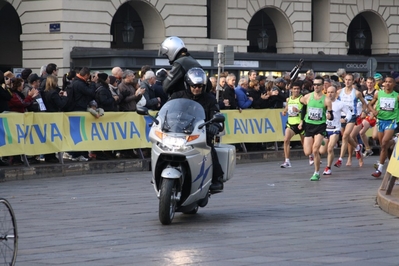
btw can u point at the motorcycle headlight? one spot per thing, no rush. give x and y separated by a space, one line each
172 143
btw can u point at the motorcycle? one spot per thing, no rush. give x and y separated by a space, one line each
181 159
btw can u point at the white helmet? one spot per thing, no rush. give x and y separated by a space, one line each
170 47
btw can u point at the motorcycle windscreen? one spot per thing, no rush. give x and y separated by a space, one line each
181 115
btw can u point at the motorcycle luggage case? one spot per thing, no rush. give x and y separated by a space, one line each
227 158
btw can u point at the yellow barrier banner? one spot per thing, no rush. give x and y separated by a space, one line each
393 165
12 137
254 125
41 133
113 131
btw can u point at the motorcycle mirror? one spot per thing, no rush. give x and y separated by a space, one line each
141 110
218 118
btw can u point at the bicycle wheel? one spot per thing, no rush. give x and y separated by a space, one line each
8 234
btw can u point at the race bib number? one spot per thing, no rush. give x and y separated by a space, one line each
330 124
387 104
315 114
293 110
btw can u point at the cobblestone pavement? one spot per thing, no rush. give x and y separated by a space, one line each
265 216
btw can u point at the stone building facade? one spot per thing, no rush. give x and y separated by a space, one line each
48 30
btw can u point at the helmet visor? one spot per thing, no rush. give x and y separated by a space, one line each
162 50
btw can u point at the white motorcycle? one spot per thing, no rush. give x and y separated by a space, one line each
181 159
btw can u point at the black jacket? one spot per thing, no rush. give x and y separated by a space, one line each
277 101
175 80
104 98
230 94
5 96
158 89
258 102
82 94
53 101
149 94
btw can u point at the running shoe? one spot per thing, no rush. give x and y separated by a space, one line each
338 163
285 165
376 174
311 161
315 177
367 153
327 171
359 152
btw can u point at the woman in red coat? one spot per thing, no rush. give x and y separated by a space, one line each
18 102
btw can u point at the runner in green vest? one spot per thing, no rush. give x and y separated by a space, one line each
294 124
315 122
386 112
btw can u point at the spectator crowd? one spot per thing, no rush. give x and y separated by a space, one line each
125 90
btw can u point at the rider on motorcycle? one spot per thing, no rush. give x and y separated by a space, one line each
195 82
180 60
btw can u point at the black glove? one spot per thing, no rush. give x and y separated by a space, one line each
213 129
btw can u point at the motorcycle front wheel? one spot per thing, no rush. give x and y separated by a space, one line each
167 201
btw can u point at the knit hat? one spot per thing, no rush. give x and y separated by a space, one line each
102 76
25 73
93 103
112 80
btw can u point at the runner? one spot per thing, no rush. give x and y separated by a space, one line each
349 96
315 118
334 127
369 121
386 112
294 123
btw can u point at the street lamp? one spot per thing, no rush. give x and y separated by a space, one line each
263 40
360 40
128 32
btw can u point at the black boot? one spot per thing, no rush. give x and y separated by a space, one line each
216 185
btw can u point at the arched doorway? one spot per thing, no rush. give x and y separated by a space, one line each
277 27
359 36
262 34
375 32
126 28
10 32
141 20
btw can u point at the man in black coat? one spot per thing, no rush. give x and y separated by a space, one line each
83 93
229 93
196 81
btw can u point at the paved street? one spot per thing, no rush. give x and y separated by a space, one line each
265 216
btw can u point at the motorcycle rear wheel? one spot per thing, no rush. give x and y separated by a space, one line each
167 201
